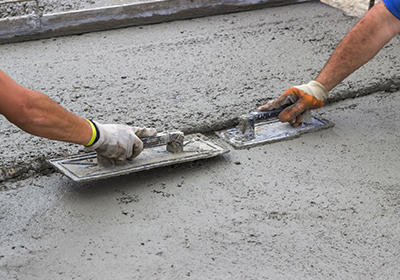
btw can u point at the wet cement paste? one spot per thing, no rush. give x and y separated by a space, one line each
322 206
195 76
55 6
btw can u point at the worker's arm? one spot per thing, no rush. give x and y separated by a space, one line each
39 115
363 42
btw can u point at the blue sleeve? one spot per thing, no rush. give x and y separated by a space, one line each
393 6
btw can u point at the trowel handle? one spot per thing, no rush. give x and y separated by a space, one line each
162 138
172 140
261 115
265 115
247 121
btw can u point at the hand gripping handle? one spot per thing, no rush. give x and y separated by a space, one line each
172 140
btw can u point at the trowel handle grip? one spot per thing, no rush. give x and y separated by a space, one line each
172 140
162 139
247 121
264 115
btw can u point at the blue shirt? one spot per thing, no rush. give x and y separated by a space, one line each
393 6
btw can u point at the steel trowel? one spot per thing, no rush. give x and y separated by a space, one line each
264 127
161 150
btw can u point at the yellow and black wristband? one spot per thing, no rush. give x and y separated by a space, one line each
95 134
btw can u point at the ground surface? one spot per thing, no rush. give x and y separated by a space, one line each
57 6
351 7
354 8
323 206
219 65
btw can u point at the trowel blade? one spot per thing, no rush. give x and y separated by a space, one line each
271 131
85 168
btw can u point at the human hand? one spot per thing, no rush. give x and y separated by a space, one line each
302 98
120 142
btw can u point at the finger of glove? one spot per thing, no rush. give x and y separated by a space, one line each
276 103
296 121
144 131
304 102
113 152
137 148
286 98
122 156
269 106
127 147
292 112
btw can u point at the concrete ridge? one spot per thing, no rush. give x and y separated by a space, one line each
31 27
40 165
71 22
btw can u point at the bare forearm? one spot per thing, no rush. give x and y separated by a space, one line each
361 44
45 118
39 115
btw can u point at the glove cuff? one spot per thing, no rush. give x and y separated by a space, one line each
315 89
95 135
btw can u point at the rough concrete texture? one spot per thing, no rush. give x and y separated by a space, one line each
57 6
72 22
323 206
351 7
197 76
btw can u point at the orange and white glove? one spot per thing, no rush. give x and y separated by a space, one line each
305 97
116 141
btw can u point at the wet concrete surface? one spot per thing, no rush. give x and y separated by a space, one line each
322 206
13 9
57 6
197 75
79 17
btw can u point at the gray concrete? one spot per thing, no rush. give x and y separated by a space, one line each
114 14
197 76
323 206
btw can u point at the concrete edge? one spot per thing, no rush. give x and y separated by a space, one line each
32 27
40 165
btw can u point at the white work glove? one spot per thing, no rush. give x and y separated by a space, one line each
120 142
315 89
301 98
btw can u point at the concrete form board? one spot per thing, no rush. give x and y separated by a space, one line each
97 19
